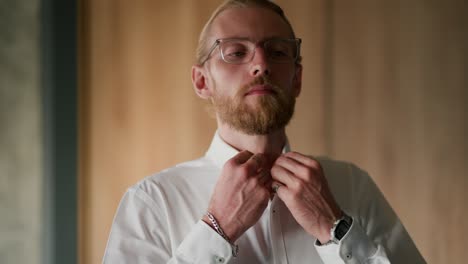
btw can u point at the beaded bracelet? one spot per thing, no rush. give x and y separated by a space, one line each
235 248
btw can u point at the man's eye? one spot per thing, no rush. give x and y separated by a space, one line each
279 53
235 50
236 54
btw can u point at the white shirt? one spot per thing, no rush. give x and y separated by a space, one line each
158 221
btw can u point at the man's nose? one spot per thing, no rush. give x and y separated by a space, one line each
260 63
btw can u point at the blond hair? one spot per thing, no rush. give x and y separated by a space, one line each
202 47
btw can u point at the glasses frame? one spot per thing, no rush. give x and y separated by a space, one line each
217 42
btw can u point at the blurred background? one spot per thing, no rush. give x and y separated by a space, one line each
95 95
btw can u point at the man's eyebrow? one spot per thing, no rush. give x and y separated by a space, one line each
237 38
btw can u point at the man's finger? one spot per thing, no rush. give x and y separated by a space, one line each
242 157
306 160
279 189
290 164
255 162
282 175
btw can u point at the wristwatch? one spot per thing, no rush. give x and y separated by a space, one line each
340 228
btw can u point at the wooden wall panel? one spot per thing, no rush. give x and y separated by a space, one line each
399 110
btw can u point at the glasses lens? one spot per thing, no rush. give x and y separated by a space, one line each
237 51
242 51
281 50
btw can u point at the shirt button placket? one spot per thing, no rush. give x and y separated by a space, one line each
276 234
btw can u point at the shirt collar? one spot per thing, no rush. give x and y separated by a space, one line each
220 151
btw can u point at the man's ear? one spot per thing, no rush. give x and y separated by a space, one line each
297 82
200 82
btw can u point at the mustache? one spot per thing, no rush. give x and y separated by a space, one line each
260 80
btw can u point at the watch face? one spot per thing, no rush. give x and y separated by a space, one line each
342 228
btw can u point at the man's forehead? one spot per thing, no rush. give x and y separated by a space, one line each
253 23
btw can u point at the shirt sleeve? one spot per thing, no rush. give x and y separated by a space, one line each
376 235
355 247
204 245
139 235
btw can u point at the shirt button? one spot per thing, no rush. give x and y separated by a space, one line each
219 259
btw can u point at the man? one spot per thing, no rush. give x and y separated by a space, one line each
250 199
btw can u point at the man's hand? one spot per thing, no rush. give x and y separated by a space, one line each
304 189
241 194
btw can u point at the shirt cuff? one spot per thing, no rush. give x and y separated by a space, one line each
354 247
204 245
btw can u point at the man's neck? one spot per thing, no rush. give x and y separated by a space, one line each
271 144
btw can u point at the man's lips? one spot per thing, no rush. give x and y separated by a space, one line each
260 89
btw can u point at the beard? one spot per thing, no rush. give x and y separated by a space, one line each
271 111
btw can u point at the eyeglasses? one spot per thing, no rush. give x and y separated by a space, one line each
239 51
